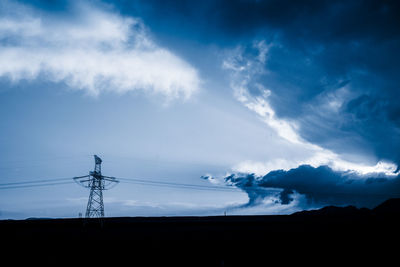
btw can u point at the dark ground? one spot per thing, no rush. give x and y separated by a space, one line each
335 235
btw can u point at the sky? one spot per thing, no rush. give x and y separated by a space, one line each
263 107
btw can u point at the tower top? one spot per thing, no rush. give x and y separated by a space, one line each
97 159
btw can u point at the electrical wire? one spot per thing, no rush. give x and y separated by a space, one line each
34 185
34 181
184 187
176 185
146 182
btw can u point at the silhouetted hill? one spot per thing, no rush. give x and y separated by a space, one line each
333 211
329 211
390 206
37 218
332 232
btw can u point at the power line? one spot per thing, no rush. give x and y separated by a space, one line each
35 181
57 181
182 187
34 185
177 185
146 182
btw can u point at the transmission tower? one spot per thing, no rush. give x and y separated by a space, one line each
97 183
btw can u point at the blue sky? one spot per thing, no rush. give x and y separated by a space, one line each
211 93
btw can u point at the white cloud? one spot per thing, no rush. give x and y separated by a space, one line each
244 71
324 157
260 105
263 50
92 50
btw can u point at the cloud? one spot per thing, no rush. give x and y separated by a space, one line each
319 21
247 67
337 113
320 186
318 177
326 57
319 157
91 49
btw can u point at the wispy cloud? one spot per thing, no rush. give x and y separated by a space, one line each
90 49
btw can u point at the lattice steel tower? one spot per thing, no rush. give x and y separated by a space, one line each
97 183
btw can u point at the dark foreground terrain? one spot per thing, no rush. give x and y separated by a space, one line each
325 236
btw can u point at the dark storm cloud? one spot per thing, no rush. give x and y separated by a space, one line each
376 119
321 186
304 20
321 46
